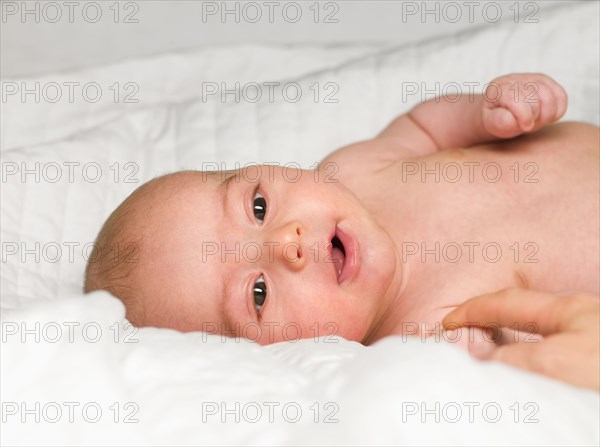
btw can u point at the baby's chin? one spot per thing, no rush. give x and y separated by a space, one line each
352 326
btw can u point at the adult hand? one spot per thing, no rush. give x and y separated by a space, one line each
570 348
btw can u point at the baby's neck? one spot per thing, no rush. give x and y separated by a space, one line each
391 313
404 227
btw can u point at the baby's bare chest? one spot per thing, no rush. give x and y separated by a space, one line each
521 213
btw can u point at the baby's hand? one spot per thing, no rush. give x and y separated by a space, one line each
518 103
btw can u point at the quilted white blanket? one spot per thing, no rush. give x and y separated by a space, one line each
73 372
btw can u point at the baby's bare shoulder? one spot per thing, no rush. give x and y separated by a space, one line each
368 156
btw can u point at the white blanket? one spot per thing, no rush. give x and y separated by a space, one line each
195 389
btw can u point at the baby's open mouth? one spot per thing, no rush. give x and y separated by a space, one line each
338 255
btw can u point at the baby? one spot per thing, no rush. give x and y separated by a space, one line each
386 237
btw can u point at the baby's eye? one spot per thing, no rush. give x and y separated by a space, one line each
260 293
259 207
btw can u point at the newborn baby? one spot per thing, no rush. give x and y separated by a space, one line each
386 237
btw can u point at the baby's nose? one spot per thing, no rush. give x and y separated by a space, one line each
287 244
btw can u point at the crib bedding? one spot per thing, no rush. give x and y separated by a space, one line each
157 386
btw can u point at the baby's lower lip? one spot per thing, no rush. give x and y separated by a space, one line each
351 262
338 258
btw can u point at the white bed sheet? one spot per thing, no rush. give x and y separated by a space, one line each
172 379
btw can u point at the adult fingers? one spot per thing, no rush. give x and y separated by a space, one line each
570 358
519 309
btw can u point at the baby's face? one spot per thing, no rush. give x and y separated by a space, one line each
252 256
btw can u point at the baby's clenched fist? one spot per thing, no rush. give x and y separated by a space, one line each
522 103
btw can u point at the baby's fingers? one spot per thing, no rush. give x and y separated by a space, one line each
542 93
559 96
518 98
501 123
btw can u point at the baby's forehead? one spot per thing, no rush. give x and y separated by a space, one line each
254 173
201 193
178 184
221 177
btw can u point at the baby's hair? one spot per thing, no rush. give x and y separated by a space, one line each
117 251
119 246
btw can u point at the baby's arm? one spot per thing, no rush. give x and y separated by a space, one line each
512 105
